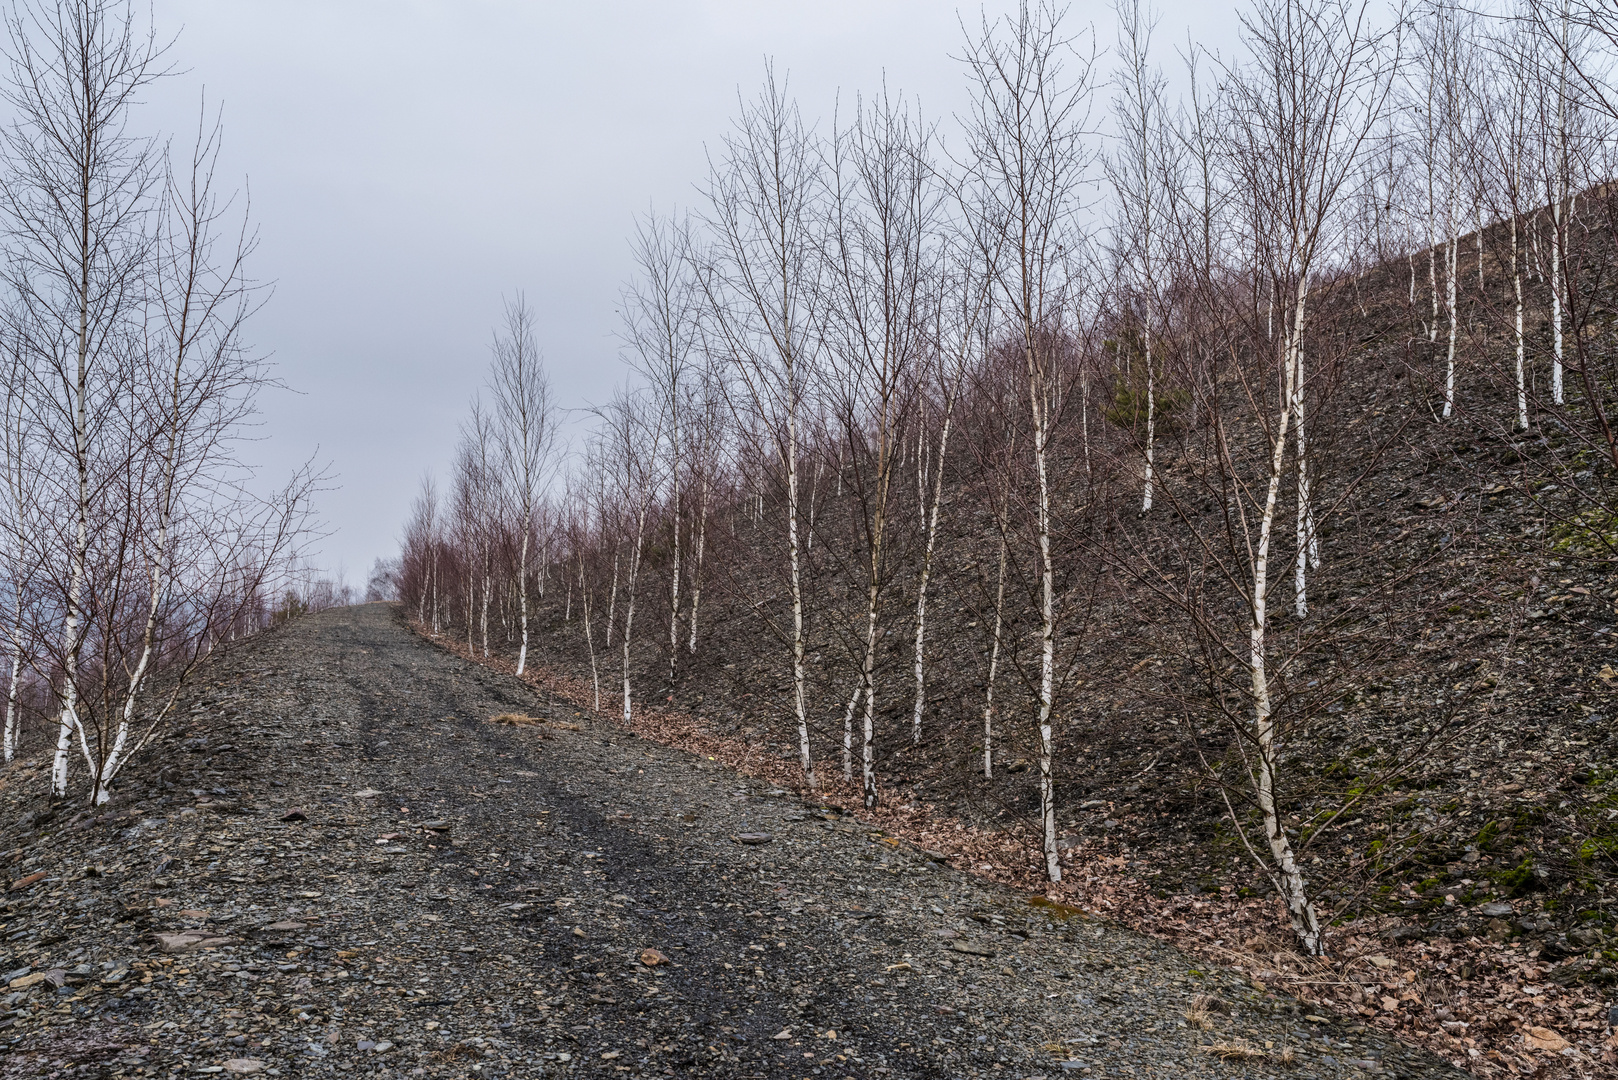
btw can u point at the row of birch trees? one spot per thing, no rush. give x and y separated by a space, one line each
133 539
907 390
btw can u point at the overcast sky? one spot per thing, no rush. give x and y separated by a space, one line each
411 162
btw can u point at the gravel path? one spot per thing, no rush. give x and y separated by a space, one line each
353 869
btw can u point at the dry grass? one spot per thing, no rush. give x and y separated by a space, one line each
511 719
457 1052
1233 1050
1198 1017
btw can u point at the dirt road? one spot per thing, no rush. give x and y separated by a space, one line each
357 871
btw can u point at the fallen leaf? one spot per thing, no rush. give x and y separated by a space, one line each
1542 1038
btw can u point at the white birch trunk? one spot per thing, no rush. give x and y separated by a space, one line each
994 663
629 600
612 596
926 576
674 575
1151 419
814 488
522 598
1287 875
488 584
1533 239
68 722
1453 270
11 703
589 636
1047 628
848 731
696 563
1432 280
1556 303
1516 284
1308 543
868 687
798 688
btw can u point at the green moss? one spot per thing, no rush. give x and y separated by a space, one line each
1487 835
1518 881
1598 845
1594 530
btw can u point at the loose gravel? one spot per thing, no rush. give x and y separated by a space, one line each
340 861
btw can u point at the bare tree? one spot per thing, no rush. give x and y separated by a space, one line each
759 287
1030 159
202 378
75 201
526 427
961 322
1297 117
1136 170
633 431
661 335
880 248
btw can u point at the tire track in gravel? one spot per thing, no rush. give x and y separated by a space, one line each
825 929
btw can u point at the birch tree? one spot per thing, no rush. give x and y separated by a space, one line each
526 425
634 433
959 342
661 336
201 378
879 250
1506 100
759 285
1135 171
75 201
1029 154
1297 118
